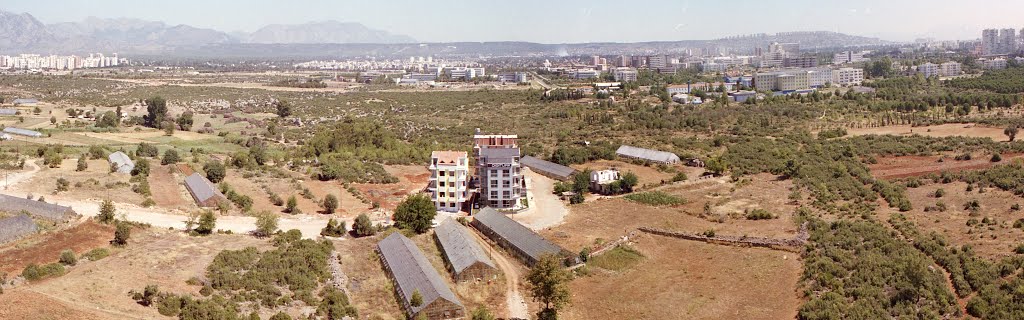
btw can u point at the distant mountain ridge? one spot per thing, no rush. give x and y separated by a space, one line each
23 33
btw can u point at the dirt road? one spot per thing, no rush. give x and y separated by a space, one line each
517 308
912 166
162 218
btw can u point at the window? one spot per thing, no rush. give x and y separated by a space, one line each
451 194
504 172
440 184
494 194
441 173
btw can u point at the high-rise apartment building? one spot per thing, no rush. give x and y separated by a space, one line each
449 180
498 171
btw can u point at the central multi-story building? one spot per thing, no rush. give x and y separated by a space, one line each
498 170
449 180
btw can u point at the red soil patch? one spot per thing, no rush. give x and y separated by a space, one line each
411 179
184 169
46 248
911 166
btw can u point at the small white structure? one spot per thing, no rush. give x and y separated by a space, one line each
647 154
23 132
121 162
604 176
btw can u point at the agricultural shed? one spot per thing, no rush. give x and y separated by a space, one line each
463 254
547 168
411 272
13 228
647 154
526 245
8 112
23 132
203 191
121 161
38 209
26 102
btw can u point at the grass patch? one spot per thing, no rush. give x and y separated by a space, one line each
656 198
96 254
618 259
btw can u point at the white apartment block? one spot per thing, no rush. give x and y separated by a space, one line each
793 79
992 64
928 69
449 180
949 69
849 57
847 76
625 74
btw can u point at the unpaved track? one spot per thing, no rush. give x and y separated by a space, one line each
308 225
516 304
545 210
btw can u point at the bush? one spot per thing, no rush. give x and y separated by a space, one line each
330 203
215 171
656 198
63 185
82 164
293 205
266 224
67 257
996 157
147 150
34 272
207 223
759 214
940 192
96 254
170 157
362 226
121 234
333 228
415 213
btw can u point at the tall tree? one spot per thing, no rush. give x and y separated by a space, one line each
284 109
548 282
330 204
121 234
107 212
157 112
1011 132
185 121
415 213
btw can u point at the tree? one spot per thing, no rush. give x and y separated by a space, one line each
284 109
292 205
215 171
716 166
97 152
417 299
266 224
207 221
629 181
185 121
67 258
481 313
170 157
121 234
333 228
107 212
53 120
330 204
141 168
108 119
157 112
63 184
147 150
415 213
548 285
280 315
362 226
1011 132
82 164
168 127
581 182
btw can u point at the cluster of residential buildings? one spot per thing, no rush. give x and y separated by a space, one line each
999 41
55 62
945 69
496 176
796 79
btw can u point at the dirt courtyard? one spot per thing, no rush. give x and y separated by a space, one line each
681 279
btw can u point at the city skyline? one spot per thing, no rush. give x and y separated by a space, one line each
575 21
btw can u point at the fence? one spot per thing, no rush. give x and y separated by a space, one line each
793 245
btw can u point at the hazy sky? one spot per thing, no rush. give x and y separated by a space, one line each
557 21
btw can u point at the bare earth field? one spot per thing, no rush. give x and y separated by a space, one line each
912 166
45 248
168 189
942 130
44 182
43 307
681 279
610 218
369 288
411 179
164 258
995 241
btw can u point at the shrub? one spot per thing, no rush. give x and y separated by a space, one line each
207 223
215 171
333 228
170 157
96 254
996 157
759 214
940 192
362 226
121 234
67 257
82 164
293 205
147 150
330 203
656 198
266 224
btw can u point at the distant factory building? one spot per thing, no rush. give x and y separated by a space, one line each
463 255
121 162
412 273
203 191
647 154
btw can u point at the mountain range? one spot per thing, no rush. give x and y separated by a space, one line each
23 33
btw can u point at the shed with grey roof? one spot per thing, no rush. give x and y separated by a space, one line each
203 191
26 102
547 168
8 112
526 245
23 132
14 228
463 254
121 162
647 154
38 209
412 272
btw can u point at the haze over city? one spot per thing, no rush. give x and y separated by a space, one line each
564 21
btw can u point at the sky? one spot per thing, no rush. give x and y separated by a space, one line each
560 21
